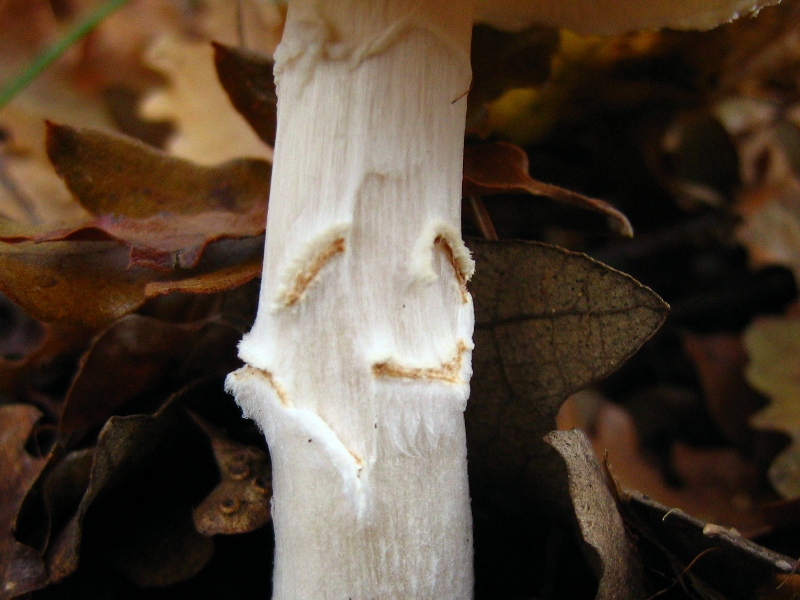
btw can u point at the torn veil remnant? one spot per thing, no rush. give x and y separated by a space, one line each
363 248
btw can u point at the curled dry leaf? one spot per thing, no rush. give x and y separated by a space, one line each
21 567
548 323
90 284
616 564
705 560
502 168
241 501
247 79
147 472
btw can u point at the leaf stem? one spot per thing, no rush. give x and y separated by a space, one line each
44 60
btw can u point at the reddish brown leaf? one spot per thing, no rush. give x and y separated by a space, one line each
167 242
166 210
21 567
90 283
241 501
209 283
84 283
124 361
247 79
502 168
111 174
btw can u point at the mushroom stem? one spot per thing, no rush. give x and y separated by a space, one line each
359 361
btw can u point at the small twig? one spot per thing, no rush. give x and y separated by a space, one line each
479 214
44 60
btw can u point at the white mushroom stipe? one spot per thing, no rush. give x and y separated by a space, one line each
360 357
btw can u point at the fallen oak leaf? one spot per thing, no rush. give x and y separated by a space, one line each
502 168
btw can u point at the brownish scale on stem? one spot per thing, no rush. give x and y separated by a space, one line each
305 276
449 371
461 277
283 398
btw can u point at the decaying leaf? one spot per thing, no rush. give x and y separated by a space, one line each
548 323
146 474
111 174
241 501
502 168
130 357
702 559
91 283
21 567
83 283
615 563
247 79
773 346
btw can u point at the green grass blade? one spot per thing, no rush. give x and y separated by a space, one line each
51 54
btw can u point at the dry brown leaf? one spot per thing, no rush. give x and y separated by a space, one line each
129 358
616 564
247 79
90 284
701 559
548 323
502 168
147 467
111 174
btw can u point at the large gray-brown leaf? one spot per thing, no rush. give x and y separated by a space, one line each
548 323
